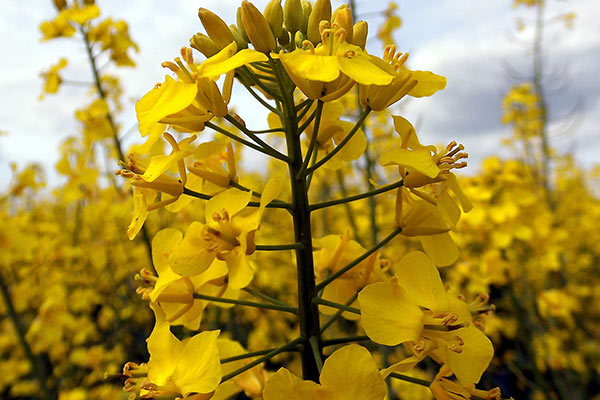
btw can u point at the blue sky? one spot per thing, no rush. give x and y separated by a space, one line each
466 41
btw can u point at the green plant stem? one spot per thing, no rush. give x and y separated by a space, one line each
305 103
350 339
354 263
337 314
382 189
342 307
407 378
313 140
264 297
264 358
304 111
256 139
340 146
272 130
314 345
308 312
277 247
249 355
347 208
204 196
276 307
260 99
245 142
36 366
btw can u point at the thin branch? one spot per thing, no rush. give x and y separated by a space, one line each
354 263
313 140
256 139
277 247
263 296
204 196
382 189
276 307
350 339
343 307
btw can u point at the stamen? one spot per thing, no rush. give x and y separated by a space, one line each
311 47
186 54
171 65
449 319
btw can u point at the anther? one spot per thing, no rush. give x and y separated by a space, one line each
171 65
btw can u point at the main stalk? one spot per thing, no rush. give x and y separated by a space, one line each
308 313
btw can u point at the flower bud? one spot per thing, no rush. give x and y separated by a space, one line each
216 28
274 16
306 10
257 28
359 34
239 38
60 4
342 16
293 15
299 39
240 24
204 45
284 39
320 12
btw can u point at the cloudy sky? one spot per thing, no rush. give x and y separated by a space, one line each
469 42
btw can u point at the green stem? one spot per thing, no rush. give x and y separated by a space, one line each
314 345
354 263
304 111
382 189
248 355
277 247
256 139
263 296
264 358
313 139
36 367
347 208
305 103
407 378
245 142
340 146
260 99
337 314
342 307
308 312
350 339
276 307
204 196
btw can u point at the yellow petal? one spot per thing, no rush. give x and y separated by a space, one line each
284 385
475 357
232 200
351 373
401 366
310 66
224 61
387 315
420 160
154 134
163 244
161 163
192 255
164 348
421 281
171 97
428 83
452 183
362 70
141 198
240 270
448 208
199 370
440 248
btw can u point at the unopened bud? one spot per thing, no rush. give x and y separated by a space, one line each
216 28
60 4
274 16
359 34
257 28
204 44
240 24
293 15
306 10
284 38
299 39
320 12
342 16
239 38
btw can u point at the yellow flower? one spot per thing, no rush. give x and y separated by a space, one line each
187 103
180 367
405 82
329 70
348 373
335 252
415 307
52 79
151 179
228 235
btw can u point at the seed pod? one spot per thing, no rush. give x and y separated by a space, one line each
204 44
257 28
320 12
359 35
293 15
216 28
274 16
